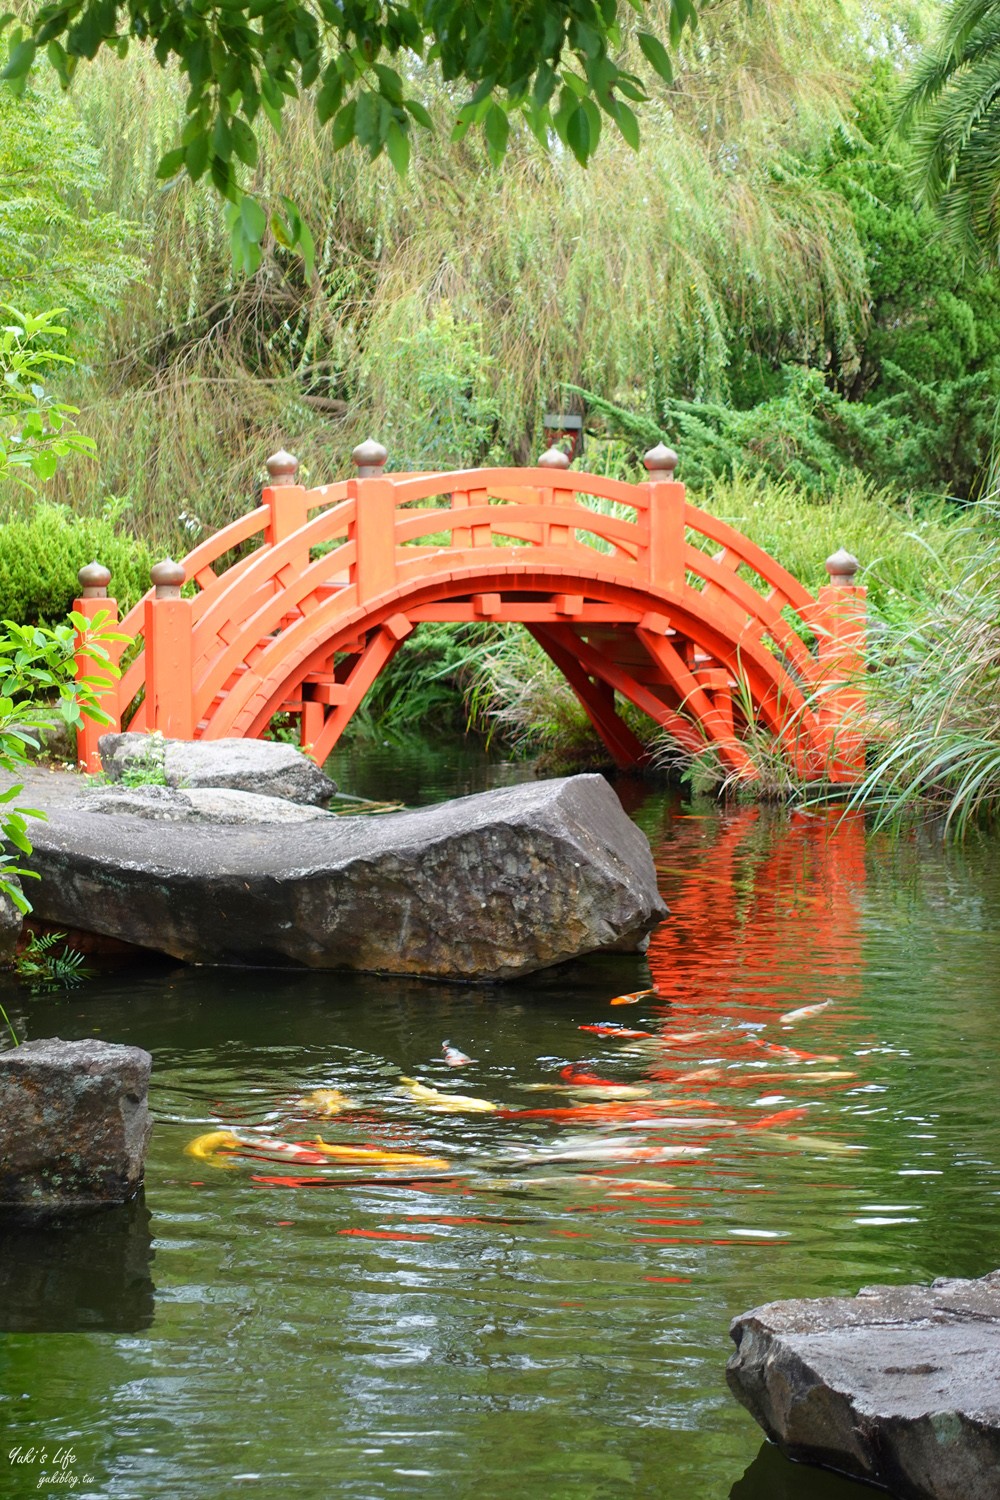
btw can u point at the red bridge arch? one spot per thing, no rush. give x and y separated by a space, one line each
628 588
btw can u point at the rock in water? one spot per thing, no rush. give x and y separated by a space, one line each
74 1125
899 1386
483 887
264 766
202 804
10 926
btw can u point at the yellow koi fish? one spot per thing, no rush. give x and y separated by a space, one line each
446 1104
325 1102
210 1147
372 1156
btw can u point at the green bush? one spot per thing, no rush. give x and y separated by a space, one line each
43 549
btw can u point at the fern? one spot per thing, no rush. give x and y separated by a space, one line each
44 970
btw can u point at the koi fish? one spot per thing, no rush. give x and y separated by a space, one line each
325 1102
453 1057
210 1148
286 1150
700 1075
207 1148
792 1054
608 1028
363 1156
446 1104
821 1144
607 1151
588 1091
782 1117
634 997
573 1074
791 1016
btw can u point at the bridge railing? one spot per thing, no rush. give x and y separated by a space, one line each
342 547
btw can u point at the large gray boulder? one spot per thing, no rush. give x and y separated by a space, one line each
74 1125
204 804
899 1386
263 766
483 887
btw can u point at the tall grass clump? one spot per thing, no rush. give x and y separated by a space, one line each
934 703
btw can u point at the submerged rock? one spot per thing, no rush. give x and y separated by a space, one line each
263 766
11 922
899 1386
74 1125
167 804
483 887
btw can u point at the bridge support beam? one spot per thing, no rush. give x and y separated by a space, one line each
598 700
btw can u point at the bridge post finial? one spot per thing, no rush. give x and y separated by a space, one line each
282 468
92 604
554 458
167 578
370 458
93 580
661 459
842 566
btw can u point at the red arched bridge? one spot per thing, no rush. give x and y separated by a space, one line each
633 592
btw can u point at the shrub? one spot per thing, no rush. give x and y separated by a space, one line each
43 549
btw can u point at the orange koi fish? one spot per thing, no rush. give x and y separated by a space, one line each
782 1117
634 997
608 1028
385 1234
573 1074
453 1057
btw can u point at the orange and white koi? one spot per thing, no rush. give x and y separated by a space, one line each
453 1057
634 997
791 1016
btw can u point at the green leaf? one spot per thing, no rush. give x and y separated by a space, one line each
308 247
366 119
497 129
626 121
254 220
419 113
21 57
578 135
170 164
343 125
656 55
196 156
244 141
397 143
43 463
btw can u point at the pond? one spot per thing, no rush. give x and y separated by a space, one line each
545 1314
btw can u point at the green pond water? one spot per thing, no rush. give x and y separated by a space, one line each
546 1315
